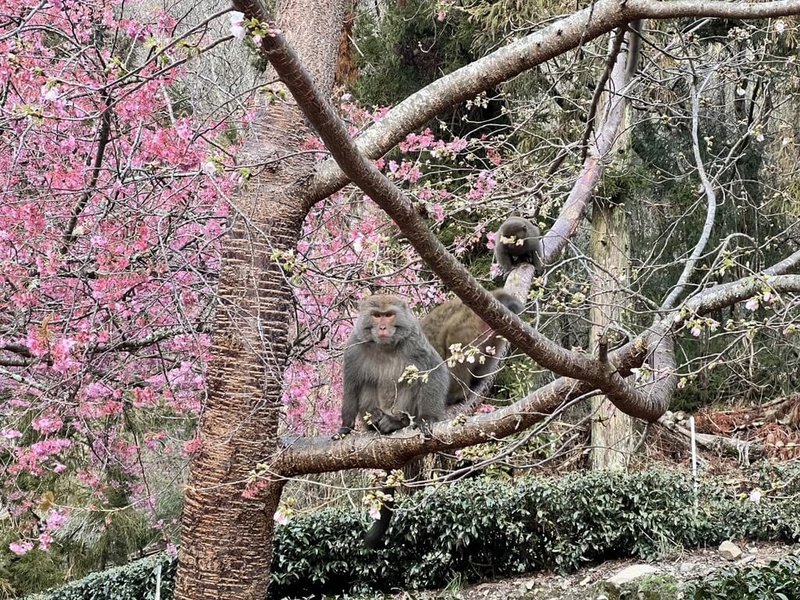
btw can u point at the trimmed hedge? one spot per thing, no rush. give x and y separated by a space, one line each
140 580
484 528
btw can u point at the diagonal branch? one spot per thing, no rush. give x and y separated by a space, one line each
509 61
571 215
103 137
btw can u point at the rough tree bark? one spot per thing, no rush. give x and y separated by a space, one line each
226 538
613 433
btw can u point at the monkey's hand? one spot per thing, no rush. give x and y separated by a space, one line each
343 431
425 428
387 424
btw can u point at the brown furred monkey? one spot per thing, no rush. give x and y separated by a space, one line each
386 341
517 241
454 323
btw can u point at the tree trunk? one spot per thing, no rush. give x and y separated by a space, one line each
226 537
613 436
613 432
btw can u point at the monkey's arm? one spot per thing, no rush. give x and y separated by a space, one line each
503 257
349 414
352 391
536 254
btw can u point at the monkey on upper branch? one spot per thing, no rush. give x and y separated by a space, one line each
517 241
466 342
387 345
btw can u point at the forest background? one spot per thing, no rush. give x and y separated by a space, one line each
182 256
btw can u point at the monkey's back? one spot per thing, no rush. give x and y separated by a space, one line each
454 323
434 326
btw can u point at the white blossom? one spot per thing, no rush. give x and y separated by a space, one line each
237 25
49 92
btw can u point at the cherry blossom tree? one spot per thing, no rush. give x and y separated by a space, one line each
114 202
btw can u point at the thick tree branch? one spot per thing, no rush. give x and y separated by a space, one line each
511 60
367 450
787 265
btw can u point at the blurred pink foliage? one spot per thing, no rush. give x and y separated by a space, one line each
109 243
113 206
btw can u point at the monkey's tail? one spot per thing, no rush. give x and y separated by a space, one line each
412 470
379 527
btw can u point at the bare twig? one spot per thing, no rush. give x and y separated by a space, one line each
711 196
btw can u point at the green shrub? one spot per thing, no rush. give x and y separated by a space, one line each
486 528
137 581
776 581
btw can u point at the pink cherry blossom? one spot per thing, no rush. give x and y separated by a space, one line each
20 548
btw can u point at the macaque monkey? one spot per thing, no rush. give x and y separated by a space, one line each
517 241
458 335
387 346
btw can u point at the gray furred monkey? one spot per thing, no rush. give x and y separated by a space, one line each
517 241
386 340
455 323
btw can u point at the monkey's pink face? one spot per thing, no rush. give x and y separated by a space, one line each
384 326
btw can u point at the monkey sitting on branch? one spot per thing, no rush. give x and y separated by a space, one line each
393 377
517 241
466 342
